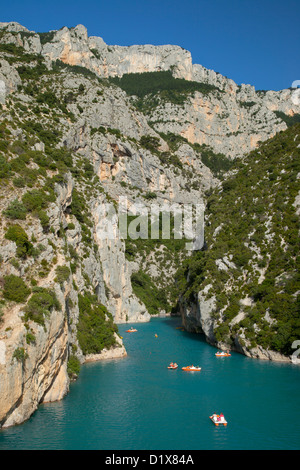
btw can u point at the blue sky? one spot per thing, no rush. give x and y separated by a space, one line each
255 42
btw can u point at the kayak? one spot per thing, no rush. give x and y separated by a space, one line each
191 369
218 420
173 366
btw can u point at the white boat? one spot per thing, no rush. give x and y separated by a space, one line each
218 420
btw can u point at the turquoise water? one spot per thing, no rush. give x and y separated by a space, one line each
136 403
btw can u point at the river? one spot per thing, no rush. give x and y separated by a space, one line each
137 403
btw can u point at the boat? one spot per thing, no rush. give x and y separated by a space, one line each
218 419
191 369
173 365
131 330
222 354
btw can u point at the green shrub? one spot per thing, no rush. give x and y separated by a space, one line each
218 163
62 274
40 305
289 120
95 329
4 167
32 73
78 207
19 182
15 210
35 200
15 288
147 291
149 142
18 235
46 37
150 195
44 219
58 65
73 366
50 136
30 338
173 89
61 156
20 355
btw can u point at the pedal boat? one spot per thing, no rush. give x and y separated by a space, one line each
191 369
218 420
173 366
222 354
132 330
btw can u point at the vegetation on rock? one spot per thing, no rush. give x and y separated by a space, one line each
252 248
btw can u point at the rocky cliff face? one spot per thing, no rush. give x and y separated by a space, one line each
232 120
72 143
243 291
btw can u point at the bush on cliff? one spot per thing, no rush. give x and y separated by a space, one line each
15 289
95 329
40 305
18 235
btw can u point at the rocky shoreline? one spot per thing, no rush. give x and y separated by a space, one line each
115 352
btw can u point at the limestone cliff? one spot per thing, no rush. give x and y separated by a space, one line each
232 120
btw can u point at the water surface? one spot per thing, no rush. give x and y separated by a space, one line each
136 403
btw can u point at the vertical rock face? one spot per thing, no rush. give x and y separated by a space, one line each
2 91
197 315
42 377
116 270
34 354
34 371
74 47
9 79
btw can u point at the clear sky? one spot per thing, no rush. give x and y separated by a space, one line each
250 41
